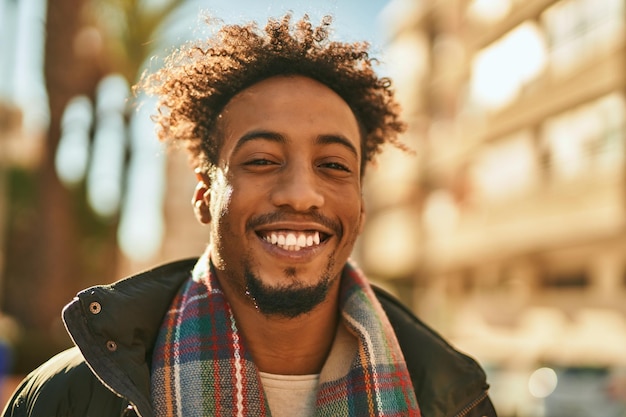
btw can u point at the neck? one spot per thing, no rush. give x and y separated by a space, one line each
288 346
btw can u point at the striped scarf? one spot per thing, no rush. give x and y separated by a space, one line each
201 367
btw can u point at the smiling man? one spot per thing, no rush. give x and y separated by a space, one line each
289 163
273 319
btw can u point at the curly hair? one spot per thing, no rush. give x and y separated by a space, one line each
198 80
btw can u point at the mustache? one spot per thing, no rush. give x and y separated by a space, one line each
278 216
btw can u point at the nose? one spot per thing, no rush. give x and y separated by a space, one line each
298 188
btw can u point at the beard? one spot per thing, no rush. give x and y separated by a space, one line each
288 301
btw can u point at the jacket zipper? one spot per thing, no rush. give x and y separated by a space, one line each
471 405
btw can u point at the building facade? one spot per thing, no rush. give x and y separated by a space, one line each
506 229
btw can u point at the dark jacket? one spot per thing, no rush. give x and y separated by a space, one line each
115 327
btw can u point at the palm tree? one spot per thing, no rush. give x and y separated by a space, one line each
64 246
43 260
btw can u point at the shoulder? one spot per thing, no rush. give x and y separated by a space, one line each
444 379
64 385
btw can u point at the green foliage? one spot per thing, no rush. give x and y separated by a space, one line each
131 29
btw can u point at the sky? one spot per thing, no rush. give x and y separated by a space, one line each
21 60
354 19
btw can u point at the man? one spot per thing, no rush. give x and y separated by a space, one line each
273 319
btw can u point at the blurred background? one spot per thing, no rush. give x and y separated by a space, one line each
505 232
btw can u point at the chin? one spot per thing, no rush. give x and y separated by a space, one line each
288 301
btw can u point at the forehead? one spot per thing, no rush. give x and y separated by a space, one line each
294 106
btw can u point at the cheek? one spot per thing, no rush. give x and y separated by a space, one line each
353 202
353 217
221 194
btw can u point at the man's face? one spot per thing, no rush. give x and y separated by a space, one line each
285 199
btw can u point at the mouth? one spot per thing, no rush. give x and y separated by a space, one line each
294 240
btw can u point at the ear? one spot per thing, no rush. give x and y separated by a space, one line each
202 198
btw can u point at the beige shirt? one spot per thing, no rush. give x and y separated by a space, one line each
290 395
295 395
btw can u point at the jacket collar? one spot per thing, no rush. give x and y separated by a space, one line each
115 326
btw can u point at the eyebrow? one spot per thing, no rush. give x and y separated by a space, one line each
325 139
259 134
338 139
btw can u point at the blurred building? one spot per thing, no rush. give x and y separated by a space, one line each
506 230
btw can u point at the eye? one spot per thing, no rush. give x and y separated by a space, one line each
259 162
336 166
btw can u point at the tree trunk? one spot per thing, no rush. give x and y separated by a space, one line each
44 268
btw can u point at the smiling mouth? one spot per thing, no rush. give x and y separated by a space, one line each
294 240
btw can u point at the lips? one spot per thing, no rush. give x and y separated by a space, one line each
292 240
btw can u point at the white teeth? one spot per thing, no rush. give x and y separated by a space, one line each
293 241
